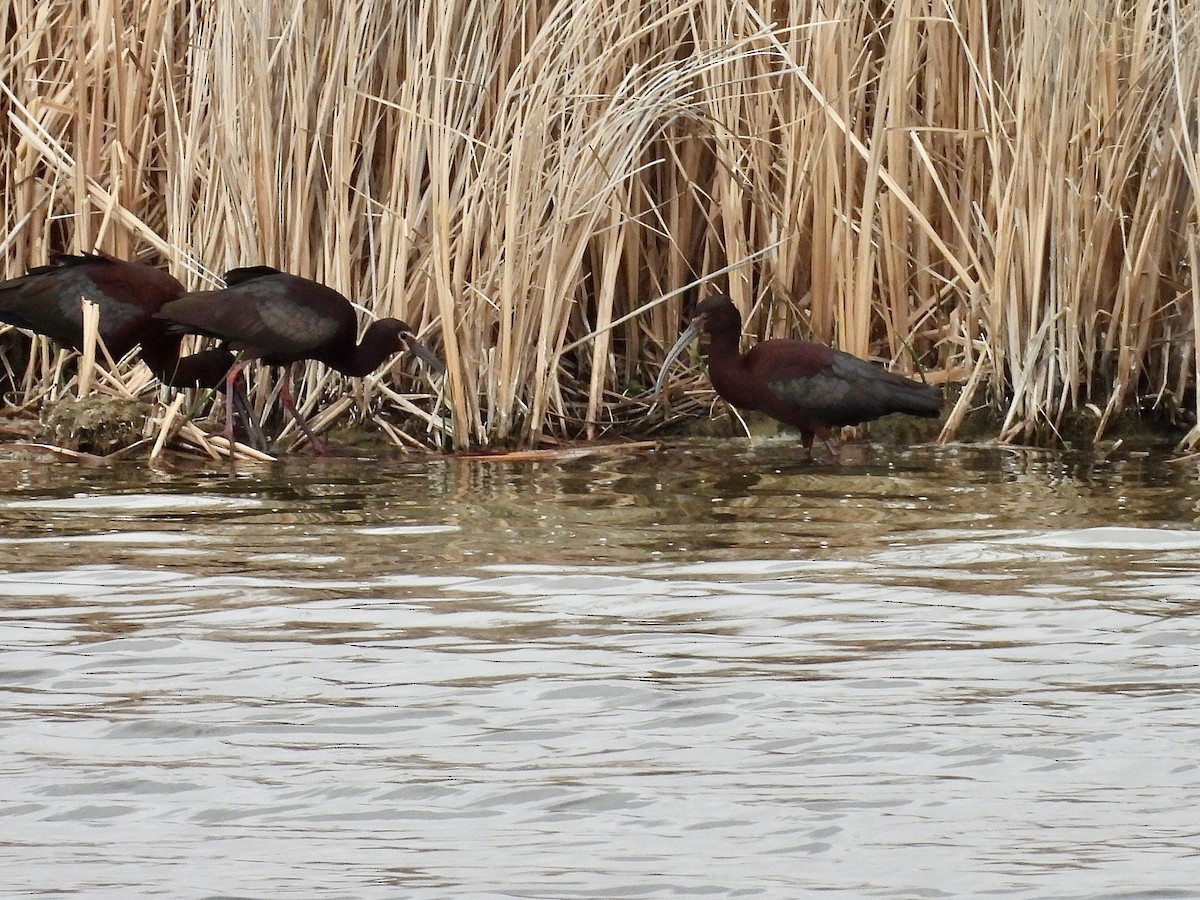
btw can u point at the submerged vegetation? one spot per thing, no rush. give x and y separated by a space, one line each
1002 196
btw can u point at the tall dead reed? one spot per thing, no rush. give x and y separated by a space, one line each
1001 194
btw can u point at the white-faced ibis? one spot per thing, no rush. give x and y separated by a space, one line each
282 319
809 386
46 301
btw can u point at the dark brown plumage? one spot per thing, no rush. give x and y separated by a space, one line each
46 301
807 385
281 319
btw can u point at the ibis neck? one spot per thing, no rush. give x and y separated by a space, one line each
725 365
723 349
161 353
378 343
205 369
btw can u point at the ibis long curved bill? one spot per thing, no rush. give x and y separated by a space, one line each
423 353
689 335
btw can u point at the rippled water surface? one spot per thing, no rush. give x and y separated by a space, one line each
710 669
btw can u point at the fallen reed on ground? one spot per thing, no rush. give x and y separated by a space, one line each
1002 196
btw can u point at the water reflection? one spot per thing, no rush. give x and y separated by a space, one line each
706 669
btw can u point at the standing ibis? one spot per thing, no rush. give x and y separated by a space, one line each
806 385
46 301
282 319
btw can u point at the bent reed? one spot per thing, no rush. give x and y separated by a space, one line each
997 196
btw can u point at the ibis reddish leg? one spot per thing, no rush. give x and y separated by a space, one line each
319 444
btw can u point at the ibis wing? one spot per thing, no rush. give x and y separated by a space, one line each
820 397
846 390
258 315
42 302
245 273
47 299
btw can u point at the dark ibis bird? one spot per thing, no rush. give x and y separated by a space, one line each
46 300
282 319
809 386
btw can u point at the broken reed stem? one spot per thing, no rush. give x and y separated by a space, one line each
165 430
545 188
217 446
91 338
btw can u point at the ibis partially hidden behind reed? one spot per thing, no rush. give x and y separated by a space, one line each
807 385
46 300
282 319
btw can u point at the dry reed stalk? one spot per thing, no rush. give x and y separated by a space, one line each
91 339
218 447
165 429
398 437
189 432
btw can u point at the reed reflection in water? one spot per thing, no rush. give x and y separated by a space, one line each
712 669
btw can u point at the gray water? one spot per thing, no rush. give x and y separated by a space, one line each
708 670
